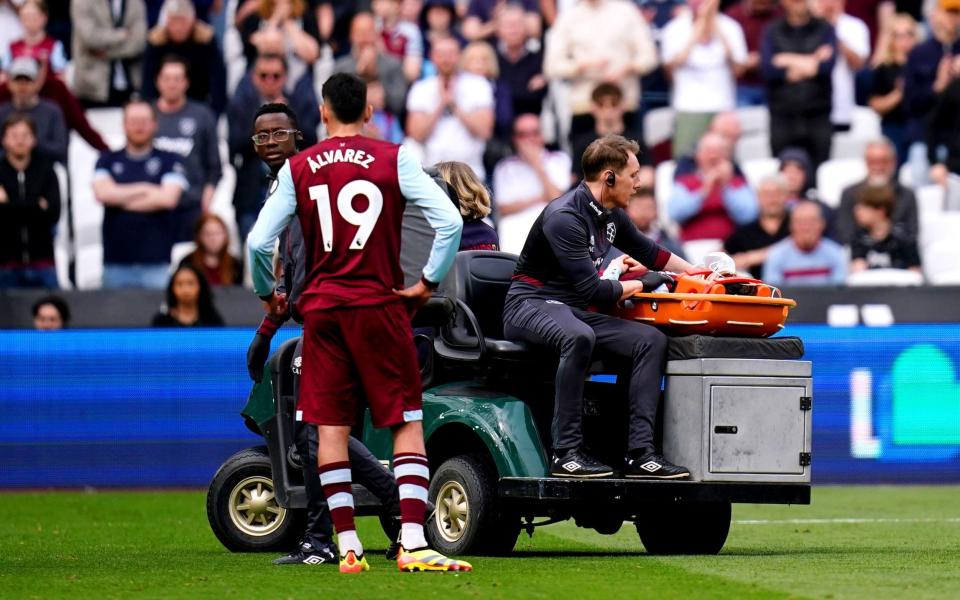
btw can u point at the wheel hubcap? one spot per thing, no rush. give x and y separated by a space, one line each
453 511
253 507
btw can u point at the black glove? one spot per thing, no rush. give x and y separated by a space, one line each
257 355
651 280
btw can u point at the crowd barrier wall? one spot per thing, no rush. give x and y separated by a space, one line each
160 408
98 309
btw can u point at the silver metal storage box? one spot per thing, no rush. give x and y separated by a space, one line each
731 419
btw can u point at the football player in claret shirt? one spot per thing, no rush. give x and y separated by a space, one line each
348 193
276 137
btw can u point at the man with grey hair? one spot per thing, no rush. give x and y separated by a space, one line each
725 124
881 158
806 257
181 34
750 243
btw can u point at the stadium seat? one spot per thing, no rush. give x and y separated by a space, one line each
865 123
232 49
848 145
87 212
755 170
884 277
695 250
835 175
482 278
555 117
752 147
61 241
941 260
951 200
946 278
657 126
938 226
905 175
864 128
663 187
754 120
179 252
930 199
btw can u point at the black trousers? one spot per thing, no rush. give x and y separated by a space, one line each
578 335
364 466
812 133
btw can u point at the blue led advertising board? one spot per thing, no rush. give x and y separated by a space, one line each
160 408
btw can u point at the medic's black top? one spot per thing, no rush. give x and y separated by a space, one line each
566 246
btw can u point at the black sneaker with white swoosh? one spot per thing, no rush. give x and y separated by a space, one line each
652 466
578 464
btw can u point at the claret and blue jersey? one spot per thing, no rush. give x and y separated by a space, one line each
349 195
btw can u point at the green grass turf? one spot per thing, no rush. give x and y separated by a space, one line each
158 544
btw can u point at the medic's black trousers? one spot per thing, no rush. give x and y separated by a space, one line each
579 335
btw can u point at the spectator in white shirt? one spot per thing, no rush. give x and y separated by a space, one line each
525 183
853 50
704 51
596 41
451 113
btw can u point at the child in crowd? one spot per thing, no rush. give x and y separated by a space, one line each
49 53
642 211
401 38
383 125
50 313
880 244
45 49
189 301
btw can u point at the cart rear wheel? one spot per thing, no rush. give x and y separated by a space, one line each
467 519
677 528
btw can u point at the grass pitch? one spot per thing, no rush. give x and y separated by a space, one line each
853 542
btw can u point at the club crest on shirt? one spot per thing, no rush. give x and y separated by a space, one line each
152 167
593 244
187 126
117 169
611 231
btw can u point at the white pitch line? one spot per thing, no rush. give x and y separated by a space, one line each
849 520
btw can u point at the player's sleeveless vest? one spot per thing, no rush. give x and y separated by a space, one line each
350 210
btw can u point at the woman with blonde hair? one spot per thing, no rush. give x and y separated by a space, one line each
897 38
473 200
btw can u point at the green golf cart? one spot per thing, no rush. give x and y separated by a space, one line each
735 411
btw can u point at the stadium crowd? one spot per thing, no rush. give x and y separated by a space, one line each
816 141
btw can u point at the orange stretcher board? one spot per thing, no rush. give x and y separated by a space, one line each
700 306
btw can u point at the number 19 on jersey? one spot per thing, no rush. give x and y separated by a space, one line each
365 220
